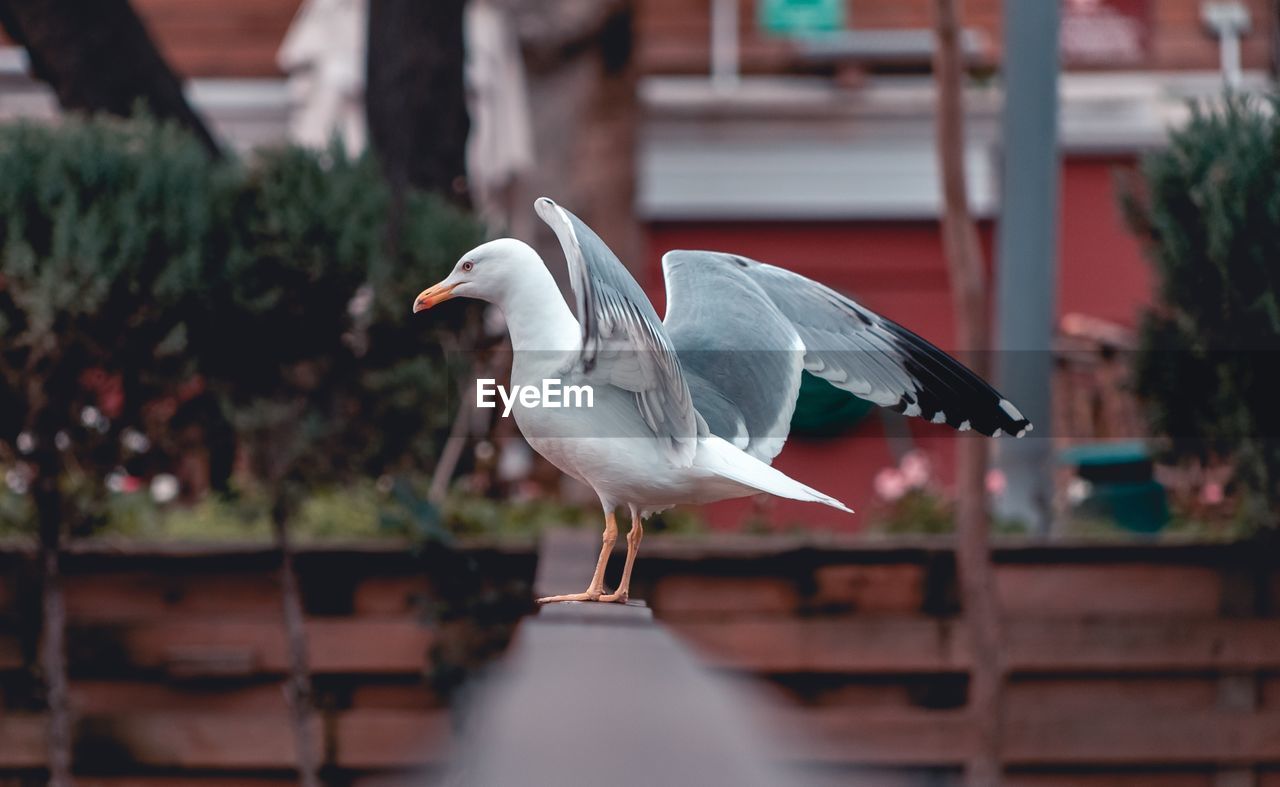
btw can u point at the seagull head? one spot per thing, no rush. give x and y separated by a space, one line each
488 272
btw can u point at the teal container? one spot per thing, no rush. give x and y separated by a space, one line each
1123 488
823 410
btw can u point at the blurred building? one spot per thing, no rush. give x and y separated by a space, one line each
795 132
804 136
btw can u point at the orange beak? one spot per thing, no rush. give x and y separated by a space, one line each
431 296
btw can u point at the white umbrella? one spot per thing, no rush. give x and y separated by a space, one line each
324 55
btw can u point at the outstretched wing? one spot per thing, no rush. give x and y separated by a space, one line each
623 342
742 357
872 357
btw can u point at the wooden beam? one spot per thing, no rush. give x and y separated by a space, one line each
921 738
212 647
390 739
907 645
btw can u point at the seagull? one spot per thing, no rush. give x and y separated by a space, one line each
692 408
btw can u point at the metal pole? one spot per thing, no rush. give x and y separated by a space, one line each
724 44
1027 253
1229 44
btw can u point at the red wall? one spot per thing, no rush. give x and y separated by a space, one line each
898 270
1101 272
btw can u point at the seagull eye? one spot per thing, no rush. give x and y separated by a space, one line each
468 265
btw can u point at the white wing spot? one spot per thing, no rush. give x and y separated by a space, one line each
912 410
997 433
1010 410
964 426
939 418
1023 431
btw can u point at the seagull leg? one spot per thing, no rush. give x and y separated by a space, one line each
633 546
596 589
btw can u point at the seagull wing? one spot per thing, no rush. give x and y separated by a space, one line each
859 351
742 356
624 343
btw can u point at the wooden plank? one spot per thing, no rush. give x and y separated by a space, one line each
1116 589
364 739
1167 739
1100 738
1129 694
1158 778
822 548
97 697
869 589
379 738
684 596
1269 692
147 8
136 780
130 595
196 740
391 595
899 738
905 645
395 696
411 778
828 645
215 647
369 739
10 653
22 740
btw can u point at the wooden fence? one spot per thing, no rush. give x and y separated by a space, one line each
177 659
1131 664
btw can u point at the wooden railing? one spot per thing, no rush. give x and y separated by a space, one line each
1131 664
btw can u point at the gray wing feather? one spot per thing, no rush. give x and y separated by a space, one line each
624 343
873 357
840 341
740 354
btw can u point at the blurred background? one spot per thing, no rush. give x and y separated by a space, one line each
249 528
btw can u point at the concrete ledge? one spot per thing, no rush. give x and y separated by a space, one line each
599 693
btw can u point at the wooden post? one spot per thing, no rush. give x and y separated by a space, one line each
299 683
968 285
600 693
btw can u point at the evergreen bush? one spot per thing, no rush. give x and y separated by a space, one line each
1209 210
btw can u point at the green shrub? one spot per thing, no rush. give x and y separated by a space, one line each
1209 210
305 329
106 230
136 272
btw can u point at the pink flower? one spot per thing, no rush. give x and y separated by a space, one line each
915 469
996 483
891 484
1212 493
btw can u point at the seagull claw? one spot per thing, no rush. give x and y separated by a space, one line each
590 595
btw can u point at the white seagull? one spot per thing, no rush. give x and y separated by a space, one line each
692 408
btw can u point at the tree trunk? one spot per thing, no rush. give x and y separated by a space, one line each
98 57
53 638
968 284
415 98
299 685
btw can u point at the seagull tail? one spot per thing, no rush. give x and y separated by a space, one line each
725 460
